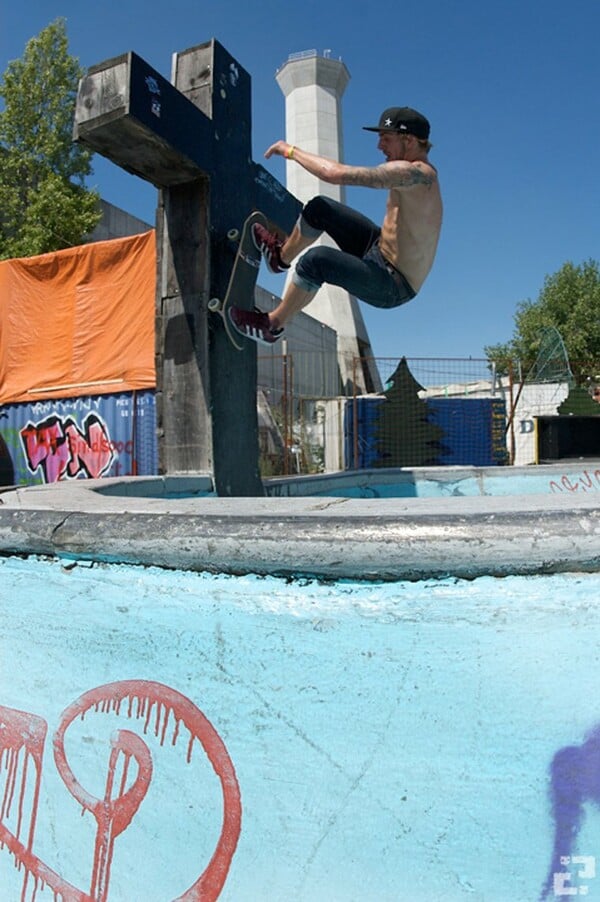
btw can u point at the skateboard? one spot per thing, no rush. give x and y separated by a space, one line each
242 281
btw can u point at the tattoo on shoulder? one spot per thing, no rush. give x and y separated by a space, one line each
418 176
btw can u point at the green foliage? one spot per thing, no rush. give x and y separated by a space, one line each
44 205
570 302
579 403
404 434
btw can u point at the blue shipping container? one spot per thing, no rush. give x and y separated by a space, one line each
474 431
78 438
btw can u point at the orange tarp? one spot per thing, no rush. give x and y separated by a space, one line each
79 321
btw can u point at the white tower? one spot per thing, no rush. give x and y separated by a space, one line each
313 85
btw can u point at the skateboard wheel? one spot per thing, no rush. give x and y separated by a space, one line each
214 305
233 234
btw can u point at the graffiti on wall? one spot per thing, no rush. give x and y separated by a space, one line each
583 482
85 437
574 781
62 450
129 772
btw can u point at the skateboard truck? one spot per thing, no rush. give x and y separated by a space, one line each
215 305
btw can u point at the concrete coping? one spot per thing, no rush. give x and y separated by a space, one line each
167 522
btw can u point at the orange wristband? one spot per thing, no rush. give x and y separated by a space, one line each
290 152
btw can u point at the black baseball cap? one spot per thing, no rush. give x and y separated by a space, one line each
403 120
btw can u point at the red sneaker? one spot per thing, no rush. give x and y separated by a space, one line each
254 324
270 247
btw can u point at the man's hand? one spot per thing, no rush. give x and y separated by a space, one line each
279 149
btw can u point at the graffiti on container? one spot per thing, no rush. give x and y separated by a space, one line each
574 781
164 712
583 482
64 451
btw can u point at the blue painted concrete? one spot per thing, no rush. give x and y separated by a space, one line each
565 478
391 741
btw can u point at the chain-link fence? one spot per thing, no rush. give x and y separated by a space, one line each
428 412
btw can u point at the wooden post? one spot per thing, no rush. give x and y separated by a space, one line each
192 139
183 420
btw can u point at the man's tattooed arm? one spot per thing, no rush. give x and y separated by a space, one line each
394 174
388 175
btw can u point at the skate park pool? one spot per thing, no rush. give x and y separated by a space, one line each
425 482
431 740
356 699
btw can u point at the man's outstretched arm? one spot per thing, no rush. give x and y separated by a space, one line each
395 174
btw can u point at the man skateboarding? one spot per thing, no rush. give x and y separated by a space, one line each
384 267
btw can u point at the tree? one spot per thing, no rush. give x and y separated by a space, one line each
569 301
404 433
44 205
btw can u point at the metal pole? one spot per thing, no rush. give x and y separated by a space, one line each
284 408
355 416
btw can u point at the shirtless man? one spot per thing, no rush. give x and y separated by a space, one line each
384 267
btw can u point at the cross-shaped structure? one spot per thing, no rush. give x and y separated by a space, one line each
192 139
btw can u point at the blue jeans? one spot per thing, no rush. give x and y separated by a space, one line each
356 264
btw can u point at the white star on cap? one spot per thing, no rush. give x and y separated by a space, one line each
388 122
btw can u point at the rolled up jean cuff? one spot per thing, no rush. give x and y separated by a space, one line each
306 230
304 284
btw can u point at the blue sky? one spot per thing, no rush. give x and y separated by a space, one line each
512 91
